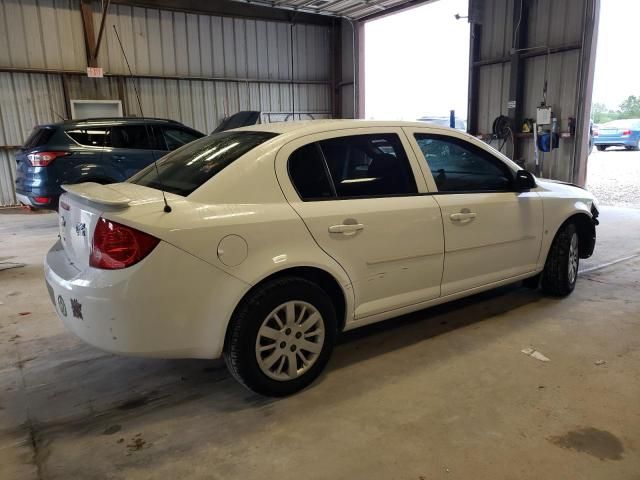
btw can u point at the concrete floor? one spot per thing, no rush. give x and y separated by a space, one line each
444 393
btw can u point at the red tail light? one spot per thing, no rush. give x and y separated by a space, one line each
42 159
42 200
117 246
596 133
626 132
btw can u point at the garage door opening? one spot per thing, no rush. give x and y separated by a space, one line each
417 64
613 172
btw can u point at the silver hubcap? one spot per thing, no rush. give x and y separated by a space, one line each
573 258
290 340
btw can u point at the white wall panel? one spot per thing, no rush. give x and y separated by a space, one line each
43 34
7 178
171 43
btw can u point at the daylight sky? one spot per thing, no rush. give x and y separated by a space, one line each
416 62
617 66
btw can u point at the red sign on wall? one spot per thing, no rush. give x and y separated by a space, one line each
95 72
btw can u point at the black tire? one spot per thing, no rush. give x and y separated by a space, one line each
240 352
601 148
556 276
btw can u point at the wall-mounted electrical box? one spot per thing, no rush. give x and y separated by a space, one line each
543 116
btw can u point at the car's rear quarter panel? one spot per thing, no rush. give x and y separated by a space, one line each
275 236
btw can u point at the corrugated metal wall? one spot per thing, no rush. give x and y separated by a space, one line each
26 99
230 64
551 24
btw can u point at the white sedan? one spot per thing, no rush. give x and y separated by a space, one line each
277 237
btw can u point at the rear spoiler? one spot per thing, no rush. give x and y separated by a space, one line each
97 193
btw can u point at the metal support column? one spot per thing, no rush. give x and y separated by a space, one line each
516 78
336 69
474 77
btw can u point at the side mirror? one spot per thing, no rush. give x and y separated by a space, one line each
524 181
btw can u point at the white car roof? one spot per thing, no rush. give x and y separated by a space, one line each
317 126
301 128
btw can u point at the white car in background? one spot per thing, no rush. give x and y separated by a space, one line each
280 236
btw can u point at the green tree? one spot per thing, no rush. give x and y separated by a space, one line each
601 113
630 108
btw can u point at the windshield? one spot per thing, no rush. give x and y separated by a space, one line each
187 168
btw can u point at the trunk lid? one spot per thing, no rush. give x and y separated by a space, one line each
82 205
610 132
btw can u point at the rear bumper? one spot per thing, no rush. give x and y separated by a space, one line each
615 142
170 305
34 201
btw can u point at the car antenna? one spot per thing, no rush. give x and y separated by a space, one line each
167 207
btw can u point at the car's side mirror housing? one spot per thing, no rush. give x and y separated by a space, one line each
524 181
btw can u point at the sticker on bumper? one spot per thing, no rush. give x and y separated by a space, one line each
76 308
61 306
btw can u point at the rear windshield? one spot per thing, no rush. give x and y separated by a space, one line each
620 124
39 136
187 168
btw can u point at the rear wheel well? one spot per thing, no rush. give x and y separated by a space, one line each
586 232
320 277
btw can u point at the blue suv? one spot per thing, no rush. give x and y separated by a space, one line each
103 150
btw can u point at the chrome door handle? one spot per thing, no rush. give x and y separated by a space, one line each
346 228
463 217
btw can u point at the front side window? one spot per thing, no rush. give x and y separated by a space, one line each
459 166
187 168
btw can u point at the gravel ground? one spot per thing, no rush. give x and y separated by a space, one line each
614 177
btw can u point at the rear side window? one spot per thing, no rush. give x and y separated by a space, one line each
39 136
92 137
177 137
352 167
132 137
368 165
459 166
188 167
309 173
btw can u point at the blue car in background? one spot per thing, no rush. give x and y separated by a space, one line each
105 150
618 133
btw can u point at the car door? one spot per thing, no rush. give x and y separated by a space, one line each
492 232
133 147
358 194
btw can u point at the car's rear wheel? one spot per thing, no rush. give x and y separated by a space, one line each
601 148
281 336
561 268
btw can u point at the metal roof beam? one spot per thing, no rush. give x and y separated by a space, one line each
228 8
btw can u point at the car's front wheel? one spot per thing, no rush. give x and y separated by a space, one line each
281 336
561 268
601 148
